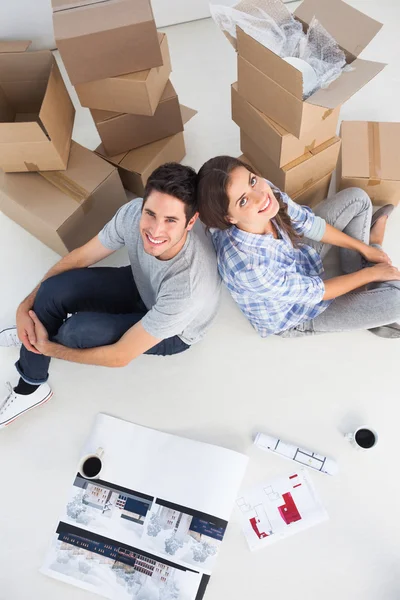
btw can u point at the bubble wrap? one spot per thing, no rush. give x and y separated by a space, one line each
281 33
322 52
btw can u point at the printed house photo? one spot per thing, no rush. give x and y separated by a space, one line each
189 536
107 509
105 567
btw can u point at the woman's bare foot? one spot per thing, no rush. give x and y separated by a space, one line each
378 231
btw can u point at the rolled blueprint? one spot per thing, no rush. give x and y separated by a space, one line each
300 455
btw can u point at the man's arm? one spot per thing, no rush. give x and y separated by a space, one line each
337 238
132 344
86 255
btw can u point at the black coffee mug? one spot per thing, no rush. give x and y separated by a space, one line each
363 438
91 464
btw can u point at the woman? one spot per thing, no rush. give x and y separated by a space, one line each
270 253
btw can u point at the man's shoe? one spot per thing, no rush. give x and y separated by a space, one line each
15 405
391 331
9 337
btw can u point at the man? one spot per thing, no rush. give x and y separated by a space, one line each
161 304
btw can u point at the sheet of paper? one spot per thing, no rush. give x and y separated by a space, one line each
150 527
279 508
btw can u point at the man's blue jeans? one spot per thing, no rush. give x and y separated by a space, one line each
104 303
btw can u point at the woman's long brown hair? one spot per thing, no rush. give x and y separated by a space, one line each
212 197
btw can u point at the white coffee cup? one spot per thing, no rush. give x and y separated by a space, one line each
363 438
90 466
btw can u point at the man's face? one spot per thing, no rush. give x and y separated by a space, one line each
163 225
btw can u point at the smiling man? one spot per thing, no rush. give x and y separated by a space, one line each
161 304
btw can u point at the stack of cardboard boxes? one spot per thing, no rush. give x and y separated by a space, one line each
57 190
120 67
292 142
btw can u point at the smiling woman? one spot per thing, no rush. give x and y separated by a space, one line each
232 193
270 252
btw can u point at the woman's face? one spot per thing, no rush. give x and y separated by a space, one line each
252 203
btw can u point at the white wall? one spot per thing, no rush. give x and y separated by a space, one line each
27 20
31 19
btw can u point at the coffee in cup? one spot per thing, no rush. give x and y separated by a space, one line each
363 438
91 464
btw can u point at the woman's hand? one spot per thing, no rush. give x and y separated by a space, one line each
384 272
375 255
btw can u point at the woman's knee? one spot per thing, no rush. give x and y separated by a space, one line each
359 195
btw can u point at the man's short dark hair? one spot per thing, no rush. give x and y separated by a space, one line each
176 180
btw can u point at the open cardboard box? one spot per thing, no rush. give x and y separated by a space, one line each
310 196
370 160
68 209
105 38
123 132
136 166
276 87
36 112
280 145
300 173
137 93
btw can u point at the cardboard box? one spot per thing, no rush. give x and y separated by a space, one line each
276 87
310 196
298 174
314 194
280 145
120 132
36 112
106 38
71 207
370 159
136 165
137 93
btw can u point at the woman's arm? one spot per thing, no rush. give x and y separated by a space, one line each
338 286
337 238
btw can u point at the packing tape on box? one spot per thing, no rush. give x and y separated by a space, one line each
327 113
374 154
306 185
309 147
68 187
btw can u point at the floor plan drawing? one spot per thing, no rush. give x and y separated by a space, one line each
284 506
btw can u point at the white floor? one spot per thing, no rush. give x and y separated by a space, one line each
223 390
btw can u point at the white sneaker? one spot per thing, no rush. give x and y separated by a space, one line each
9 337
14 405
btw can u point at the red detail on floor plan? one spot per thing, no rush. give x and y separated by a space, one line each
254 523
288 511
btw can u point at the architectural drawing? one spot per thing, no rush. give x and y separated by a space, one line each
118 570
283 507
187 535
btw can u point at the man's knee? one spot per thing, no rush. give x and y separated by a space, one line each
87 330
55 289
72 332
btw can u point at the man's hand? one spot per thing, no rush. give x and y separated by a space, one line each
26 329
375 255
41 343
